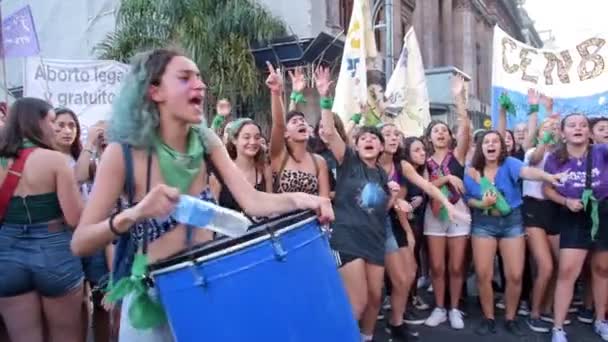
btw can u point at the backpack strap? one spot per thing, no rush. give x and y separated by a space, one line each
129 186
589 168
7 190
125 248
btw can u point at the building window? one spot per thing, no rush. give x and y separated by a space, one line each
346 9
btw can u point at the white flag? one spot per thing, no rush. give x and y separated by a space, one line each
360 44
407 104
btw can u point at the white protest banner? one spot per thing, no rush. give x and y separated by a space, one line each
87 87
351 89
407 98
576 77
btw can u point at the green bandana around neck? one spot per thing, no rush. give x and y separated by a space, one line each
179 169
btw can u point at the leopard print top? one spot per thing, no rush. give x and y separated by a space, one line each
298 181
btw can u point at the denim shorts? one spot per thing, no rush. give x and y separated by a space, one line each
36 258
390 245
497 227
95 269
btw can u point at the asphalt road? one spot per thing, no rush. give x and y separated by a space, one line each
577 332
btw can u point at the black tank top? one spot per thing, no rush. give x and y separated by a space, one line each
226 199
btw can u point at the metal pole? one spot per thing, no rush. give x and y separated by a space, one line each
4 76
389 21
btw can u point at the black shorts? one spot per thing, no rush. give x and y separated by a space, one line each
343 258
575 229
398 231
541 214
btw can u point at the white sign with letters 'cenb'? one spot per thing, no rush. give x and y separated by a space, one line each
576 77
88 87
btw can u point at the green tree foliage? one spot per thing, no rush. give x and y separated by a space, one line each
215 33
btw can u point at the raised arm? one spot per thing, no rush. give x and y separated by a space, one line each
334 141
277 132
533 103
501 126
459 91
82 169
298 85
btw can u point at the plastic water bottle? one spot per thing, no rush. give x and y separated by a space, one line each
202 214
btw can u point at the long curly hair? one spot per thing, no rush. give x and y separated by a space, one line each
135 117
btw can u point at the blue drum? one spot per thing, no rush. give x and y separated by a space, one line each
277 283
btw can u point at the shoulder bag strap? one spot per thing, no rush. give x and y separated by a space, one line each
7 190
589 168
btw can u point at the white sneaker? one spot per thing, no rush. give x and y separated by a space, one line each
558 335
601 328
437 317
456 321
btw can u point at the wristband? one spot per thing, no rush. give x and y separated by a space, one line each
297 97
356 118
326 103
533 109
547 139
111 223
218 121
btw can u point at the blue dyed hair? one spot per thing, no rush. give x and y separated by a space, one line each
135 116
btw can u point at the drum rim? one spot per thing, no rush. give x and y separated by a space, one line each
159 270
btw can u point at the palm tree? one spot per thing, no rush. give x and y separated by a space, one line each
216 34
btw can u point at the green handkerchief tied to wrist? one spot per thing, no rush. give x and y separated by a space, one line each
297 97
589 199
218 121
501 205
548 139
144 312
505 102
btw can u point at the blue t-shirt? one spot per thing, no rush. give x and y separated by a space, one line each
506 181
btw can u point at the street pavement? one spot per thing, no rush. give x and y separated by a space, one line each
577 332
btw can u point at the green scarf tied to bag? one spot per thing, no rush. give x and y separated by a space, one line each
501 205
144 312
180 169
505 102
589 199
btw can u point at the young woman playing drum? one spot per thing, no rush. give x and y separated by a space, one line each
159 115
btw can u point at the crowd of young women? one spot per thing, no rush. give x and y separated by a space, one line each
400 207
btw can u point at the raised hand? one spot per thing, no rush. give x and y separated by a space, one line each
547 102
323 81
159 202
459 87
534 97
298 80
274 82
